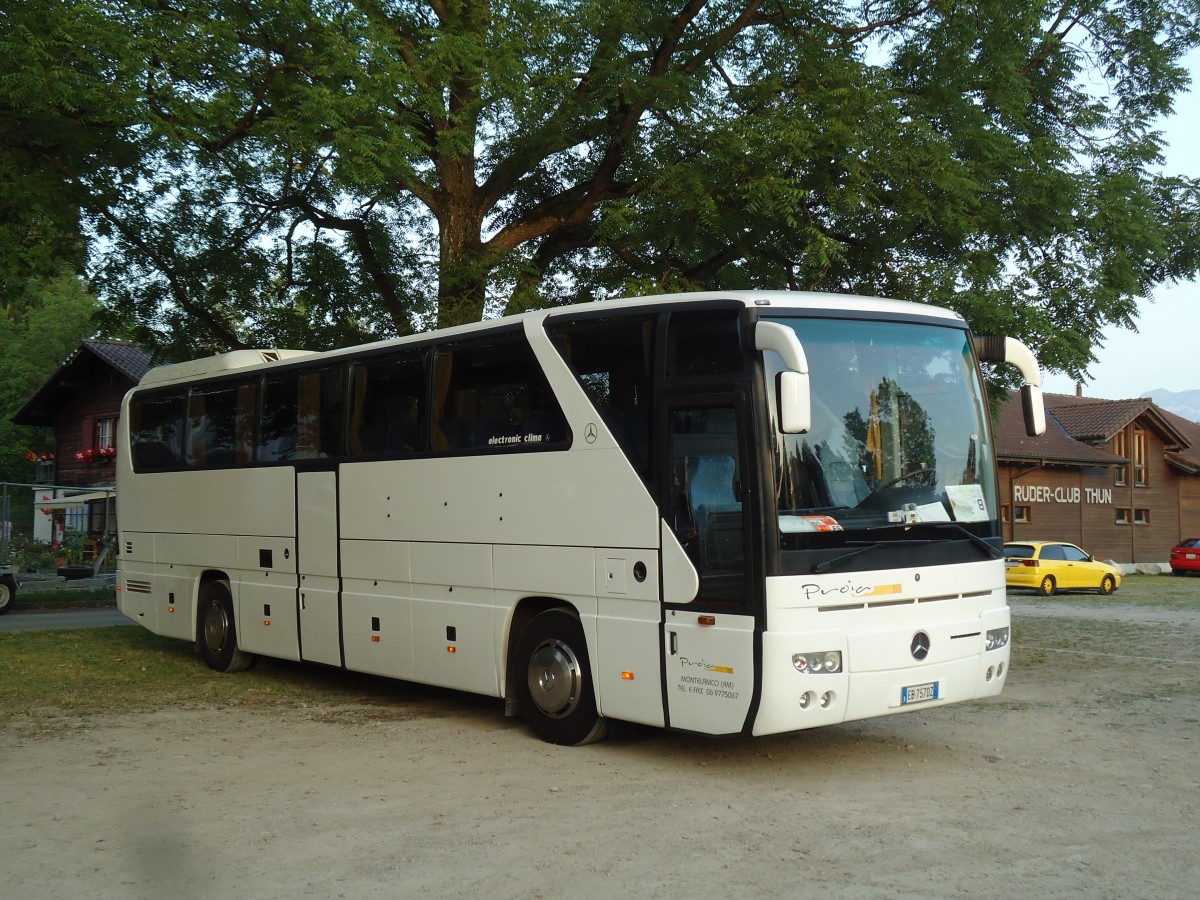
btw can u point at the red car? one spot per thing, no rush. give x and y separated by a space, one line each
1185 556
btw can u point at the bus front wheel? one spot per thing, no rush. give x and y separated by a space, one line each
554 681
218 634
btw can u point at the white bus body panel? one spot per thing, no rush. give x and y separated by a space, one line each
872 618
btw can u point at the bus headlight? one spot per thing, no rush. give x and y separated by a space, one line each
828 661
996 638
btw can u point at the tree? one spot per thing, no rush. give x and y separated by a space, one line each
64 128
321 172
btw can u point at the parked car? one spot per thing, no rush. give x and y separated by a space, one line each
1049 566
1185 556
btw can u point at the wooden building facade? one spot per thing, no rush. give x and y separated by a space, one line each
1119 478
81 402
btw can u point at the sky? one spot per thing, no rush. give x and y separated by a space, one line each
1161 353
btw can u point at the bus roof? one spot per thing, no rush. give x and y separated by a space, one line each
807 301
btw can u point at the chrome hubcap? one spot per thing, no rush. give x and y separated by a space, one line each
555 679
216 627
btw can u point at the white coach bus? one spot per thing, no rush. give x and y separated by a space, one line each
724 513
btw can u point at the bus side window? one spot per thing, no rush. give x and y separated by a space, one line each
491 394
706 497
319 414
387 405
613 360
220 425
156 431
277 419
704 344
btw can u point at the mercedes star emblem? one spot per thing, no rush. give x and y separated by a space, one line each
919 646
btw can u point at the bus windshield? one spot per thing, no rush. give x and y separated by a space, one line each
898 438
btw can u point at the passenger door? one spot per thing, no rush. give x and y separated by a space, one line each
318 567
709 643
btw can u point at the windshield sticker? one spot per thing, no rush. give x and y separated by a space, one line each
796 524
967 503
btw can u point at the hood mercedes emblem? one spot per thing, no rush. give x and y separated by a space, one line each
919 646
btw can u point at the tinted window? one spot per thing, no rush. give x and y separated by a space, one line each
703 344
221 425
706 497
1019 551
1053 551
613 359
319 414
491 394
301 415
277 419
156 431
387 405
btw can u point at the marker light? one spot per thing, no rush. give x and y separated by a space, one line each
996 638
829 661
627 676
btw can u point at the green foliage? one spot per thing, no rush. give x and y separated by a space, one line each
318 173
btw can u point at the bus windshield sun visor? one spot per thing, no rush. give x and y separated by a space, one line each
795 399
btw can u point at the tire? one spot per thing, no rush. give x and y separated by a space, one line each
1047 587
554 681
8 593
218 634
1108 584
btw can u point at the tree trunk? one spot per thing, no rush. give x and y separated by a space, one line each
462 284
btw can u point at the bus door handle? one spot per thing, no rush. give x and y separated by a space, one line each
674 643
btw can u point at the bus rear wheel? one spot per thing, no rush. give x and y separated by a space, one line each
554 681
8 593
218 634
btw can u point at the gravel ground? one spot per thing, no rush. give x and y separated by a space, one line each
1081 780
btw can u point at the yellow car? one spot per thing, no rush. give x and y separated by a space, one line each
1049 566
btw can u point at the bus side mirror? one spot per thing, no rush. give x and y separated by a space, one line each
1033 409
1010 350
793 392
795 405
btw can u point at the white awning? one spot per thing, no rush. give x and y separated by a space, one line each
74 501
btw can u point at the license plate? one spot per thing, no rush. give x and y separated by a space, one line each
918 693
1189 556
1011 563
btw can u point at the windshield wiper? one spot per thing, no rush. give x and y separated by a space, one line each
974 538
864 547
867 546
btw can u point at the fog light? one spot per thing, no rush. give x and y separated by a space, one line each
999 670
990 672
827 700
806 699
996 638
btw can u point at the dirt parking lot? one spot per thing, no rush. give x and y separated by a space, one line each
1081 780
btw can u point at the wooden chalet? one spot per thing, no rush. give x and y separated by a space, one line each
81 401
1119 478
